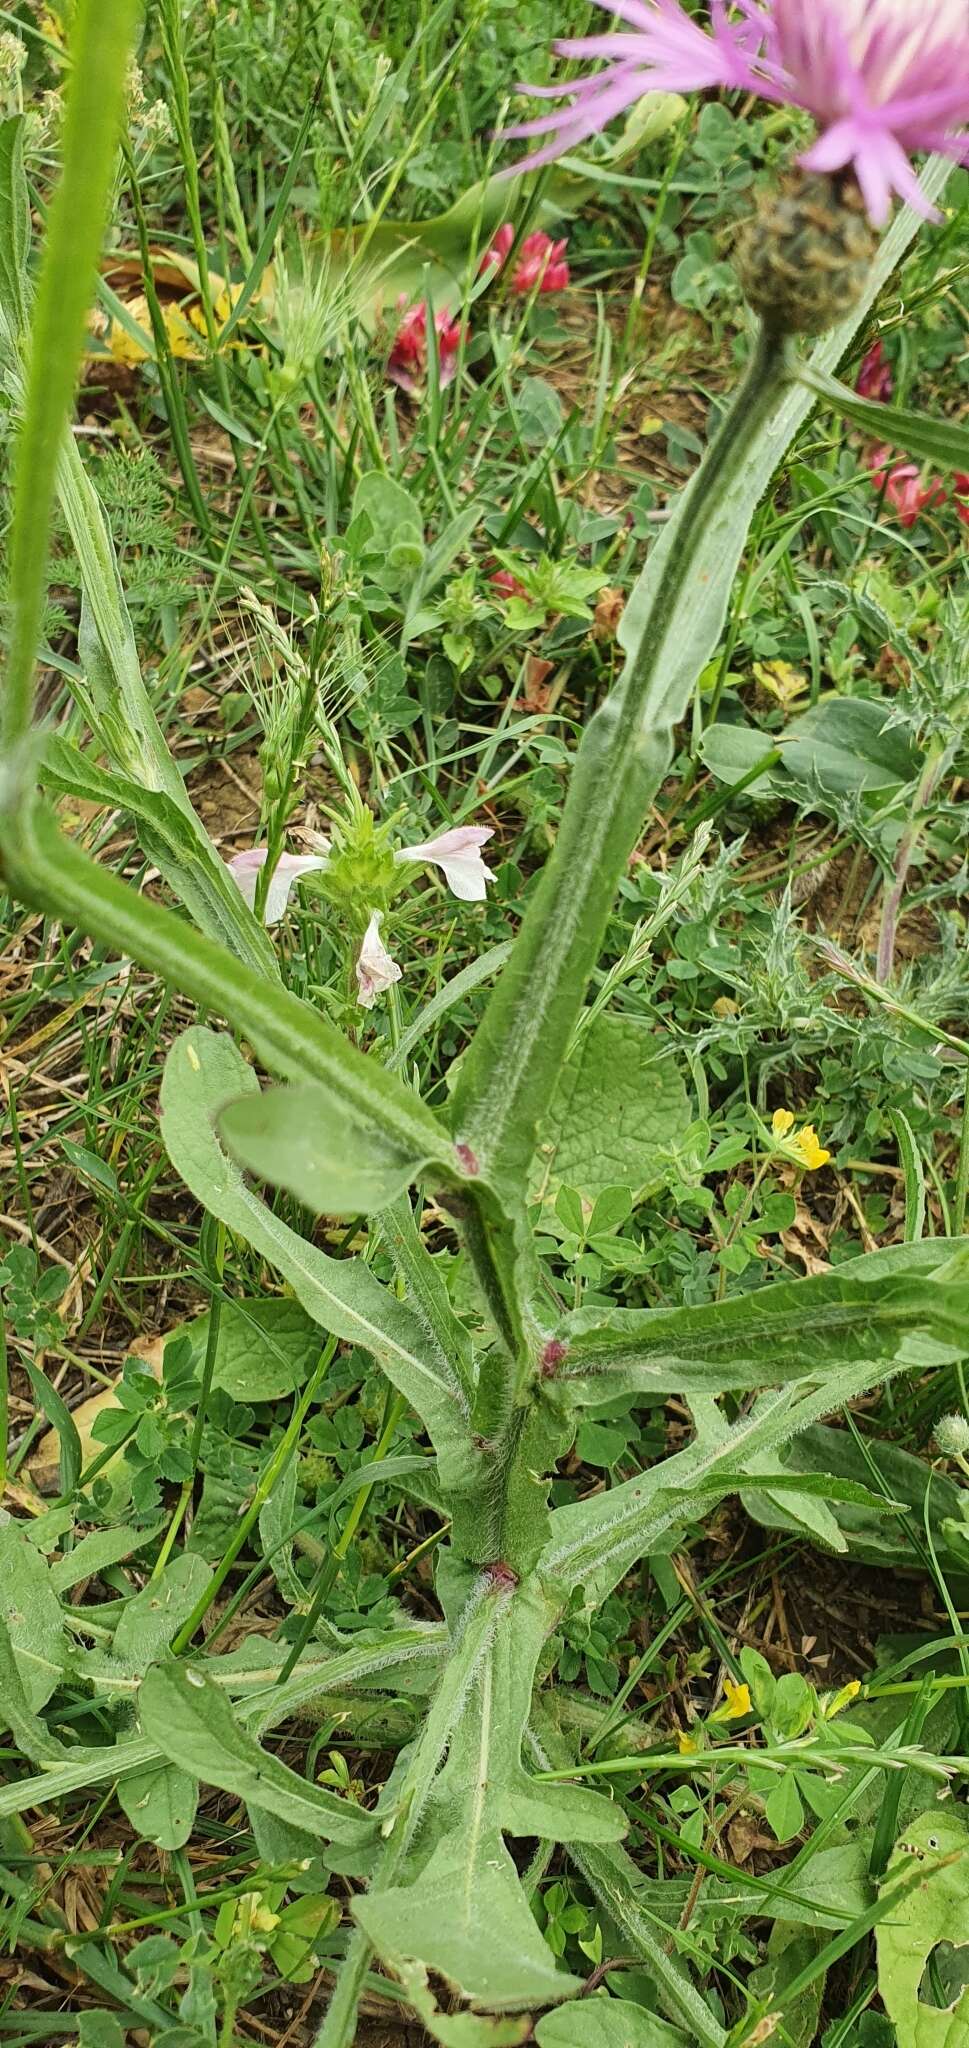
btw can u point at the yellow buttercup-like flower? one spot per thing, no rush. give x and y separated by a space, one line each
806 1143
802 1146
687 1744
736 1701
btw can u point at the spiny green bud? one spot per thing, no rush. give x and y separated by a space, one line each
805 257
952 1436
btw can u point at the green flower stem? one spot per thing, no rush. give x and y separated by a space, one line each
512 1065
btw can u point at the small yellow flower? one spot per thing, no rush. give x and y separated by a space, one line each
806 1143
687 1743
842 1698
803 1145
736 1701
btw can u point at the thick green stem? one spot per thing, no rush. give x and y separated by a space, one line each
626 750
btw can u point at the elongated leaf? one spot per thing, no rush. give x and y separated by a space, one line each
670 629
883 1306
31 1611
14 233
100 45
94 1552
405 1659
594 1542
302 1139
872 1538
293 1040
459 1908
193 1724
944 442
31 1736
427 1292
202 1072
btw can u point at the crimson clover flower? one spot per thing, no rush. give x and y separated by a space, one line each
540 261
875 378
884 79
407 362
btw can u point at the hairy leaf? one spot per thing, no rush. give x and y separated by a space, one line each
302 1139
594 1543
885 1306
618 1103
171 837
203 1070
934 1916
193 1724
460 1909
31 1612
160 1803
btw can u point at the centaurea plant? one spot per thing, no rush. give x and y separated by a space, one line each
497 1395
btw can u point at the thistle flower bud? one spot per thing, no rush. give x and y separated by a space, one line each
804 258
952 1435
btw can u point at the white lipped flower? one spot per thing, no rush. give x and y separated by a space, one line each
246 868
458 853
375 970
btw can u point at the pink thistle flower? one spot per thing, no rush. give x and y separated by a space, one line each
246 867
664 52
407 362
375 970
883 79
875 378
540 262
458 854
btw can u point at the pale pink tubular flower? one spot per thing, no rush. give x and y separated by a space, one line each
885 80
458 853
246 867
375 970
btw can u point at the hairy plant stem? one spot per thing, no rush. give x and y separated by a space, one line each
513 1064
624 754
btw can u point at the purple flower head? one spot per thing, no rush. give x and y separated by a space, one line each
883 79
